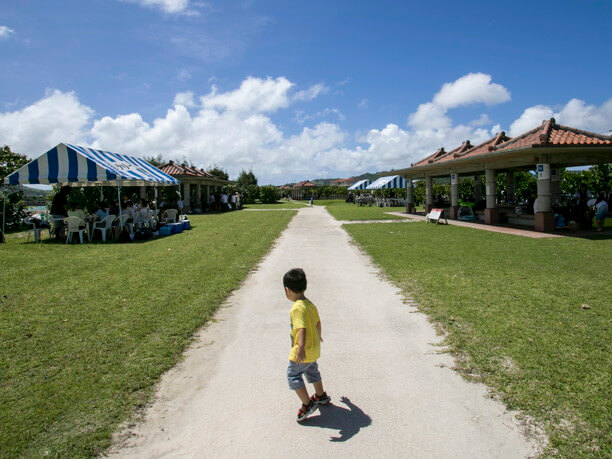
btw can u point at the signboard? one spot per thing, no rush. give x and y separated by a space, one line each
454 179
543 171
435 214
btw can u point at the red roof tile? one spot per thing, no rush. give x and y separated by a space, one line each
173 168
304 184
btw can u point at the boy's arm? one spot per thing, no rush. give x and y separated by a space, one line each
301 350
319 329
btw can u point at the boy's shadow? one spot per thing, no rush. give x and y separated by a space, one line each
348 422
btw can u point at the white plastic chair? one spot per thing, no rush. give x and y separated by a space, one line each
123 222
105 225
169 216
75 225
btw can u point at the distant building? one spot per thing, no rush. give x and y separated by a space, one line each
343 182
297 191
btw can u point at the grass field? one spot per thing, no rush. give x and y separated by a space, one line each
278 205
512 309
345 211
87 330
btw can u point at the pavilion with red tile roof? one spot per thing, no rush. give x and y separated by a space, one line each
546 149
201 180
297 190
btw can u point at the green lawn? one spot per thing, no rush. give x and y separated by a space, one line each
278 205
512 309
345 211
87 330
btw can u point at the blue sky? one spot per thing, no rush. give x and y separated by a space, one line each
297 90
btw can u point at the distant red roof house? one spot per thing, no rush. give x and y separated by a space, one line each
304 184
285 187
343 182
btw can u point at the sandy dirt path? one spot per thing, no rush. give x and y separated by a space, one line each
393 393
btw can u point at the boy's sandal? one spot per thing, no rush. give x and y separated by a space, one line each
322 399
306 410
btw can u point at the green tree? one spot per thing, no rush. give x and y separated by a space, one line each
11 203
216 171
269 194
246 178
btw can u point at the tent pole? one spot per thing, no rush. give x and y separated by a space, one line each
119 194
3 215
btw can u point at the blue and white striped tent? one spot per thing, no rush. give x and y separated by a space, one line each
79 166
392 181
360 185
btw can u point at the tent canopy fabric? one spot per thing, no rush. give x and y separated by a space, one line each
360 185
392 181
80 166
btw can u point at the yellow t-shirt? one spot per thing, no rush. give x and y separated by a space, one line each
304 314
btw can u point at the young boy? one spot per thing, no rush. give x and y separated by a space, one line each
305 344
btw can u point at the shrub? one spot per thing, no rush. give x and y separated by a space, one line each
268 194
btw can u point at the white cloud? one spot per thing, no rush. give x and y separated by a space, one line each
483 120
531 117
576 113
254 95
185 99
363 103
58 117
5 32
311 93
429 116
472 88
167 6
469 89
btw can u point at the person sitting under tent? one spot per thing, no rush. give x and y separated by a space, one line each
76 211
102 211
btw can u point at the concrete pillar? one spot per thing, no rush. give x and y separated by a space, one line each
428 193
477 188
198 197
186 196
409 197
143 192
555 184
454 208
544 218
510 187
491 212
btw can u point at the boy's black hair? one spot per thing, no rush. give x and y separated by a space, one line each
295 280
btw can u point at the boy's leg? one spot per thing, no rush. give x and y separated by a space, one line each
318 386
302 393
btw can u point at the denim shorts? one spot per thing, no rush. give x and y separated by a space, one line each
296 370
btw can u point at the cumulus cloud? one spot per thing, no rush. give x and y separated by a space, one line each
58 117
472 88
5 32
576 113
167 6
253 95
